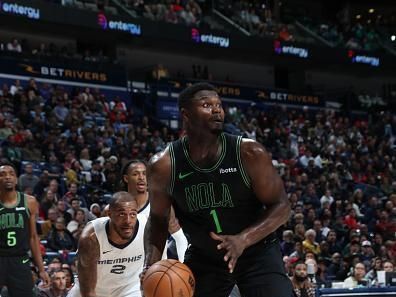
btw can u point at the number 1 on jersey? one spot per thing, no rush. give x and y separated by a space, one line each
216 221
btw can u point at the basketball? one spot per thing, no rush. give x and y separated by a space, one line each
168 278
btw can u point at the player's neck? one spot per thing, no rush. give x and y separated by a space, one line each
8 197
141 199
204 151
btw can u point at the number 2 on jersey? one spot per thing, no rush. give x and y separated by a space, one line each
216 221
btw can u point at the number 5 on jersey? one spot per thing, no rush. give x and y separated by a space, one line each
216 221
11 239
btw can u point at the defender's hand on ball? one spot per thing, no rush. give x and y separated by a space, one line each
234 246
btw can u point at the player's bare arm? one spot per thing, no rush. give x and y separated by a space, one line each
88 256
35 242
268 187
156 231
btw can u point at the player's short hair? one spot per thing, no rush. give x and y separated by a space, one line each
118 197
188 93
6 163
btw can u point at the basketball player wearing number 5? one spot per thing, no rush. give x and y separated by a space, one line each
229 200
18 234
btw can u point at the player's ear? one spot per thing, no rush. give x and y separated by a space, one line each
125 178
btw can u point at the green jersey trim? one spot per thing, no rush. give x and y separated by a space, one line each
205 170
245 176
16 203
173 169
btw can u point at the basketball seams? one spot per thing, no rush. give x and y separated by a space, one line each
159 281
186 284
175 271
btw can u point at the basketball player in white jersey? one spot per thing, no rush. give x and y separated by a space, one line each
135 182
111 252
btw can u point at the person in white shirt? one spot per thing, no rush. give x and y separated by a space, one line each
111 252
357 278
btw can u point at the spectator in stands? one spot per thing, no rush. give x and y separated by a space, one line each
61 210
334 266
302 286
14 46
57 287
47 225
60 238
27 179
309 243
376 265
48 201
357 278
60 110
75 204
287 245
367 253
76 225
69 276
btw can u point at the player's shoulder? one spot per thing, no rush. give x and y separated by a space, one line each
160 160
252 148
88 235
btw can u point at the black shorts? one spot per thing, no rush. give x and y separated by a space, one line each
256 274
16 275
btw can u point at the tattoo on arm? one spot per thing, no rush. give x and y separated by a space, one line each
88 256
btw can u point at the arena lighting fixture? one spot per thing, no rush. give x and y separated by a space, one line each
358 16
393 37
371 10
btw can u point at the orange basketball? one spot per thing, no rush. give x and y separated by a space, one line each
168 278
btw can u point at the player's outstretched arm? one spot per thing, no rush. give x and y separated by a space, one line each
88 256
156 231
269 189
35 242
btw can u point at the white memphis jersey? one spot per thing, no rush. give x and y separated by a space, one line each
145 210
118 269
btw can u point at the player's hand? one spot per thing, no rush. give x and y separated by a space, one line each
234 246
45 279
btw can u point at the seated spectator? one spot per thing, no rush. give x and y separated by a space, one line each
302 286
61 208
69 276
14 46
317 278
57 287
357 278
60 238
46 203
47 225
76 225
309 243
76 205
375 265
334 266
27 179
287 244
95 210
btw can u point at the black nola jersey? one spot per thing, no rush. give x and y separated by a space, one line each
218 199
14 228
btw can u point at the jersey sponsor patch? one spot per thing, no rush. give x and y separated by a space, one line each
20 208
227 170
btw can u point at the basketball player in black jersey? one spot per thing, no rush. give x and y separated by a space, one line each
228 198
17 235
